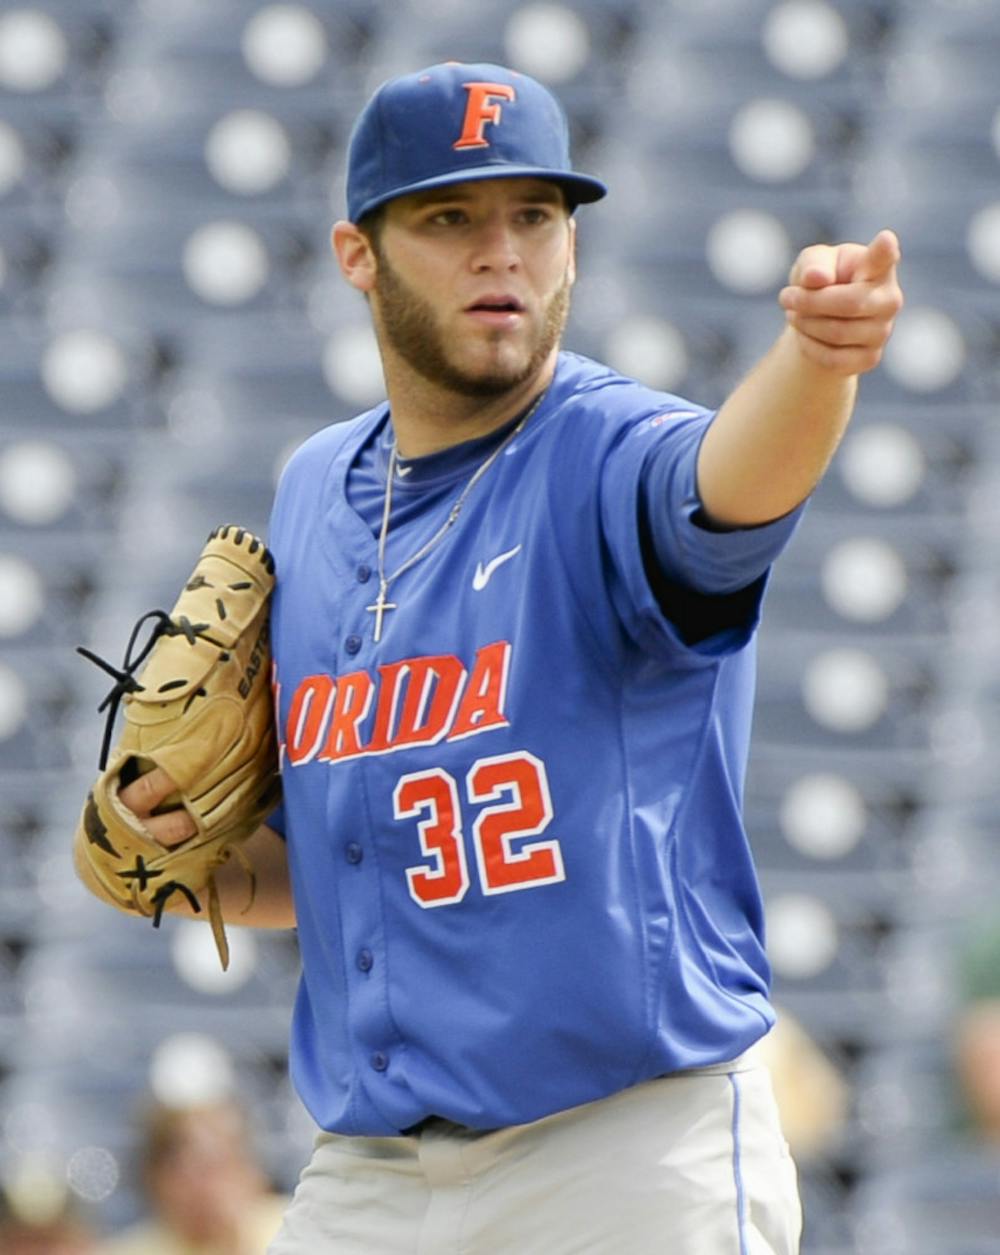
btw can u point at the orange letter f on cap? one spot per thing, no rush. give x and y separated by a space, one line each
479 110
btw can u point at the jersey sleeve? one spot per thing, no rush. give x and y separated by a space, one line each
680 582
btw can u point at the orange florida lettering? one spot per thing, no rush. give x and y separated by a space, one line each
307 718
351 702
416 701
481 108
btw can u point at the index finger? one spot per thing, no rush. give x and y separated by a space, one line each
882 254
147 791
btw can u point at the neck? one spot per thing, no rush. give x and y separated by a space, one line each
427 418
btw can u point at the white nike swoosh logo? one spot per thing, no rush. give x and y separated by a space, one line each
484 573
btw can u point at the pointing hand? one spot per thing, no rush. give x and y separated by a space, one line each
842 301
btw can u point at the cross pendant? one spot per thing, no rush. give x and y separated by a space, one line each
379 607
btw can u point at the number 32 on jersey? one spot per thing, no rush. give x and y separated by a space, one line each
515 790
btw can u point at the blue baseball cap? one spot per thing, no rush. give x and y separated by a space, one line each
453 122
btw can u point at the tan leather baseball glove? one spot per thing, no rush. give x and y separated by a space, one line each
200 709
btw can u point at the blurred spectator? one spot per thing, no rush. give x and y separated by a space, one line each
811 1094
976 1034
43 1222
206 1191
977 1068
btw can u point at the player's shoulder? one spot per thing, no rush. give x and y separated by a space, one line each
591 394
316 453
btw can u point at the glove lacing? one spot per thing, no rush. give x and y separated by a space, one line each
125 681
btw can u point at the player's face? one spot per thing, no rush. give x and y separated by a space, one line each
473 281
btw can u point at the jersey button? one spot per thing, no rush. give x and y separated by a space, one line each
352 644
353 852
364 573
380 1061
366 960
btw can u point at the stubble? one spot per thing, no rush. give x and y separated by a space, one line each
410 327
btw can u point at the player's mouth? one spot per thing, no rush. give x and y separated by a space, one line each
496 310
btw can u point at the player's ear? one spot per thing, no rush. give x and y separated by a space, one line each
355 255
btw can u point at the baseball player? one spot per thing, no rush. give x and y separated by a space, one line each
513 633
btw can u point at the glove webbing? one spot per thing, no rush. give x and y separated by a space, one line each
125 681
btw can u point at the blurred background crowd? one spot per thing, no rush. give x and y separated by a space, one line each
171 326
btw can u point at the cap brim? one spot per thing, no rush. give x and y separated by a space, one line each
581 189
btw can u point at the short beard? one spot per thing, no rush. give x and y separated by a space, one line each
408 324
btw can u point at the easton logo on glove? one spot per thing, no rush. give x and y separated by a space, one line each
201 710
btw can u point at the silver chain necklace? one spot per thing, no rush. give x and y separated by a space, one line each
382 603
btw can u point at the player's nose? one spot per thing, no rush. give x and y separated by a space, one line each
495 246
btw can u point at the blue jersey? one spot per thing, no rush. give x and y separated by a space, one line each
520 873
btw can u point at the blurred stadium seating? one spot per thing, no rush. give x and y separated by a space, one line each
171 326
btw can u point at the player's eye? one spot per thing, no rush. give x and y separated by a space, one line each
535 215
449 217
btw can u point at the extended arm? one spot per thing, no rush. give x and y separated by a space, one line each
773 438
